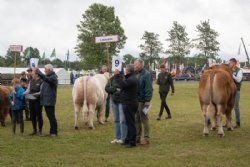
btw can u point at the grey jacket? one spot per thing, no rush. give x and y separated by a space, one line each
48 89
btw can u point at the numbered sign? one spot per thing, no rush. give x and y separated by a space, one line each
34 62
116 63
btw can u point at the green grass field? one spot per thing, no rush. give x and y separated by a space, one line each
176 142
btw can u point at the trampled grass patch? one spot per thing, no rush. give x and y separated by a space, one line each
175 142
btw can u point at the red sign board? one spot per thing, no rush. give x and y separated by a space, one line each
16 48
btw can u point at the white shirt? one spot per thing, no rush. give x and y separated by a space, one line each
238 77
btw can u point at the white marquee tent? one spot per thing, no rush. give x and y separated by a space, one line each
63 75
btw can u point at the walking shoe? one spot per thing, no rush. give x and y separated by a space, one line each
144 142
114 141
53 135
119 141
158 118
237 125
168 117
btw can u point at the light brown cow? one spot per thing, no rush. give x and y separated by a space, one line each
216 94
4 104
89 94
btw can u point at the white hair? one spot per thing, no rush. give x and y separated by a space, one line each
140 61
49 66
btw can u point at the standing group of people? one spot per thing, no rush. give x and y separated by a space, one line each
131 94
40 90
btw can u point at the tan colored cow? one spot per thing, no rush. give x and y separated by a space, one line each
216 94
89 95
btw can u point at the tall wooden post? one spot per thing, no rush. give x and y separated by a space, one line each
14 64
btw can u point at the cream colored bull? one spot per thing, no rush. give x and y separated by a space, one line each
89 95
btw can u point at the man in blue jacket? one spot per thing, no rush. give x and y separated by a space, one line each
48 94
144 95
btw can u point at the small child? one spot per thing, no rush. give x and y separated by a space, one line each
17 101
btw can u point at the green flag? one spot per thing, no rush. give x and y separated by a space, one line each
27 55
43 57
53 54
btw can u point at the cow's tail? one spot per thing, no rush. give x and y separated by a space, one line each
212 106
85 107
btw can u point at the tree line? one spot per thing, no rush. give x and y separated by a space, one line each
100 20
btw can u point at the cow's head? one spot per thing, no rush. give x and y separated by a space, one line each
107 75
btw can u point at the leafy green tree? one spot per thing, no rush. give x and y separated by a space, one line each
2 61
30 52
98 20
151 48
179 43
58 63
128 58
207 40
44 61
10 59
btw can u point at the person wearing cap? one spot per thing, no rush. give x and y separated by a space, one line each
164 81
33 95
237 76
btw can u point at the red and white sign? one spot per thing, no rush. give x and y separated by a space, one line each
16 48
106 39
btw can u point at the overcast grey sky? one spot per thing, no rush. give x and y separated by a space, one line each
48 24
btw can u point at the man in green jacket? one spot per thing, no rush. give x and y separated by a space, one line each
164 81
144 96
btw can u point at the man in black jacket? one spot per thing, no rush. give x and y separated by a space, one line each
48 96
129 88
164 81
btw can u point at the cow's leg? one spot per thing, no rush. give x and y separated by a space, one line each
206 118
229 121
99 112
91 116
2 118
211 111
77 111
219 120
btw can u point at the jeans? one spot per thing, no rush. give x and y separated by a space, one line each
163 97
36 114
17 115
129 111
236 107
120 122
107 107
142 119
50 112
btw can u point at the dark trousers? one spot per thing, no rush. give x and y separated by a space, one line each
129 112
36 114
27 110
163 97
50 112
107 107
17 116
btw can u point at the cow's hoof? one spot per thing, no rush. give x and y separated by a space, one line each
101 122
91 127
2 124
76 128
213 128
221 135
230 129
205 134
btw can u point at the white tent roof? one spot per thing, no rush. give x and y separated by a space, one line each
10 70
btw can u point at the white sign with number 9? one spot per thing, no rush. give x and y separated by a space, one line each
116 63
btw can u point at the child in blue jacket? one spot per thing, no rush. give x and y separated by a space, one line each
17 101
